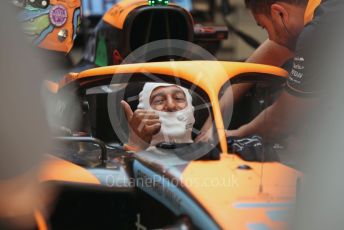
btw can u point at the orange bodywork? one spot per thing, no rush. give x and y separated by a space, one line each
238 198
117 15
56 169
53 87
40 220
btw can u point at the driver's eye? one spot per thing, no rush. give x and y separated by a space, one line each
180 97
158 101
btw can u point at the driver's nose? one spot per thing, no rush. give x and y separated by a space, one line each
171 106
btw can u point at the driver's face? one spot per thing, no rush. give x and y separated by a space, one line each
168 99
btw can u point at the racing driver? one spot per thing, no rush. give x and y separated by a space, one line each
165 114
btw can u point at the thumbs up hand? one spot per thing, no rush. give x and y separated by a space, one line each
143 125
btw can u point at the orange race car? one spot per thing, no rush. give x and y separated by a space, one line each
102 180
104 184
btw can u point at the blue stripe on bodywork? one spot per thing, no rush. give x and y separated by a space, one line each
262 205
274 215
167 192
258 226
278 215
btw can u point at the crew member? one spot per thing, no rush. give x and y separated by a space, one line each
296 28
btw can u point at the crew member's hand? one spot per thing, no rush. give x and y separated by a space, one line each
234 133
143 125
205 135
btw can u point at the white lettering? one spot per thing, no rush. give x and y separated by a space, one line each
296 74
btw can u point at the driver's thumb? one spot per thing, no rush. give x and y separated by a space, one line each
127 110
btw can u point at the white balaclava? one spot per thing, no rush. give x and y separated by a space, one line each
175 126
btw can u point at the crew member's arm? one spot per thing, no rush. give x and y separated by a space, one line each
269 53
279 119
298 98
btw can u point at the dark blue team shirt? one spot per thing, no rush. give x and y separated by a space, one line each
319 49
